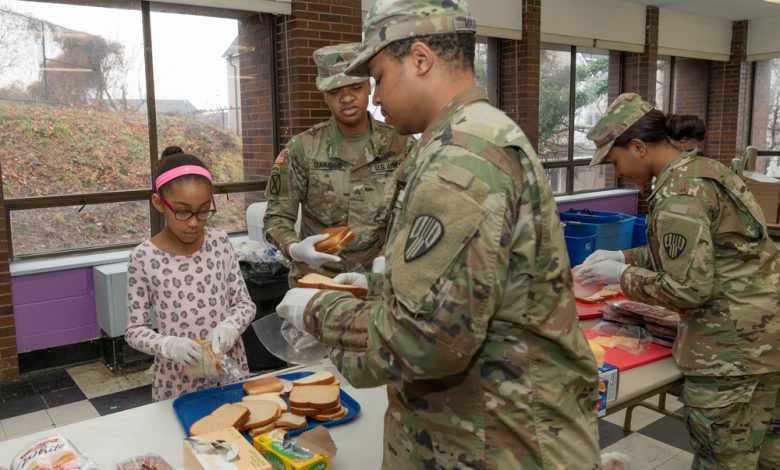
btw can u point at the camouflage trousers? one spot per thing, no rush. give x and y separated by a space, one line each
733 422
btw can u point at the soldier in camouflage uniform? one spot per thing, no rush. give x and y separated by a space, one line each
472 326
710 258
340 171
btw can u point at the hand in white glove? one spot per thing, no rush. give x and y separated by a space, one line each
604 255
293 306
304 251
603 272
379 265
181 350
224 338
352 279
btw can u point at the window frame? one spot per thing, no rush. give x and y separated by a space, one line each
570 164
156 219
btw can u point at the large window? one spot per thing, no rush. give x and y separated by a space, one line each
79 88
572 97
765 129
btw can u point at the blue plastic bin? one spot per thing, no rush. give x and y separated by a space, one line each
580 242
640 231
614 230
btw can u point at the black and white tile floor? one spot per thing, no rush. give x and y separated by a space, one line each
58 397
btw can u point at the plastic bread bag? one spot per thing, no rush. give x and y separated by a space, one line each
144 462
52 453
629 338
215 367
287 343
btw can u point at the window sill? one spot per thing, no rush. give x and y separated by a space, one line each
594 195
46 265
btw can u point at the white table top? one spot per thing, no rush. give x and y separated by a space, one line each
154 428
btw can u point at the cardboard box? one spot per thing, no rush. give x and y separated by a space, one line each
608 387
768 196
282 457
248 457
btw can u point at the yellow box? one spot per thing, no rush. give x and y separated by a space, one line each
271 446
248 457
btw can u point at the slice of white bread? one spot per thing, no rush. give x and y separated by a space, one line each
261 430
290 421
330 417
318 378
304 411
223 417
320 397
330 411
261 412
274 397
264 385
318 281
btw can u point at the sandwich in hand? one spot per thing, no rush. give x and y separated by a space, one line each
339 237
318 281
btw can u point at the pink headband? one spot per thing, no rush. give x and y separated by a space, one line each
181 171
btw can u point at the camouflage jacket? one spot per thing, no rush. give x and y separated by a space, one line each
335 187
709 257
475 333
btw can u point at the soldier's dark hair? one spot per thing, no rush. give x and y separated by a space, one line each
656 126
454 48
685 126
174 157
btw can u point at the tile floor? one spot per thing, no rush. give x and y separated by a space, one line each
58 397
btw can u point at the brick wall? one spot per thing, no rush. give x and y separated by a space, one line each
313 24
519 73
9 361
727 105
256 90
690 86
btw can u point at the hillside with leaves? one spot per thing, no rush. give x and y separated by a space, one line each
54 150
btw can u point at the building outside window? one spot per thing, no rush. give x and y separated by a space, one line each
75 92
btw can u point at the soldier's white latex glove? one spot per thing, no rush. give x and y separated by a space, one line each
293 306
224 338
604 255
378 266
304 251
352 279
603 272
180 350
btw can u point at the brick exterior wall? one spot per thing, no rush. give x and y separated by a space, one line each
9 361
519 73
313 24
727 103
690 86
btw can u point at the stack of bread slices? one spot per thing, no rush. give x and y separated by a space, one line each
264 408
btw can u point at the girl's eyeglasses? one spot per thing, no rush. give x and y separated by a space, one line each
183 214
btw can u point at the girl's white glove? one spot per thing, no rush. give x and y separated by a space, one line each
183 351
304 251
224 338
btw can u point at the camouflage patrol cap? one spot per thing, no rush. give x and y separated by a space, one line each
391 20
623 113
331 62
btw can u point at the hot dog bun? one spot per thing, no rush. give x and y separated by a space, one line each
339 236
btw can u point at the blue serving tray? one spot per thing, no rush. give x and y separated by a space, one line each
195 405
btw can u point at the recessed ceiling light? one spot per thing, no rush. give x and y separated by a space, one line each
776 2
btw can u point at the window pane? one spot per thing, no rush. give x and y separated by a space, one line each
557 178
71 78
231 214
766 106
199 83
663 83
588 178
481 64
591 101
38 231
554 88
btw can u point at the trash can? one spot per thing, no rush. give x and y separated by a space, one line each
267 284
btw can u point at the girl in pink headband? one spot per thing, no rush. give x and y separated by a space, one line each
187 277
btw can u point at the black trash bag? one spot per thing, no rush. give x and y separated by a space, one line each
263 273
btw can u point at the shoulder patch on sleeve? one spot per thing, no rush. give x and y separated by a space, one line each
281 157
425 233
